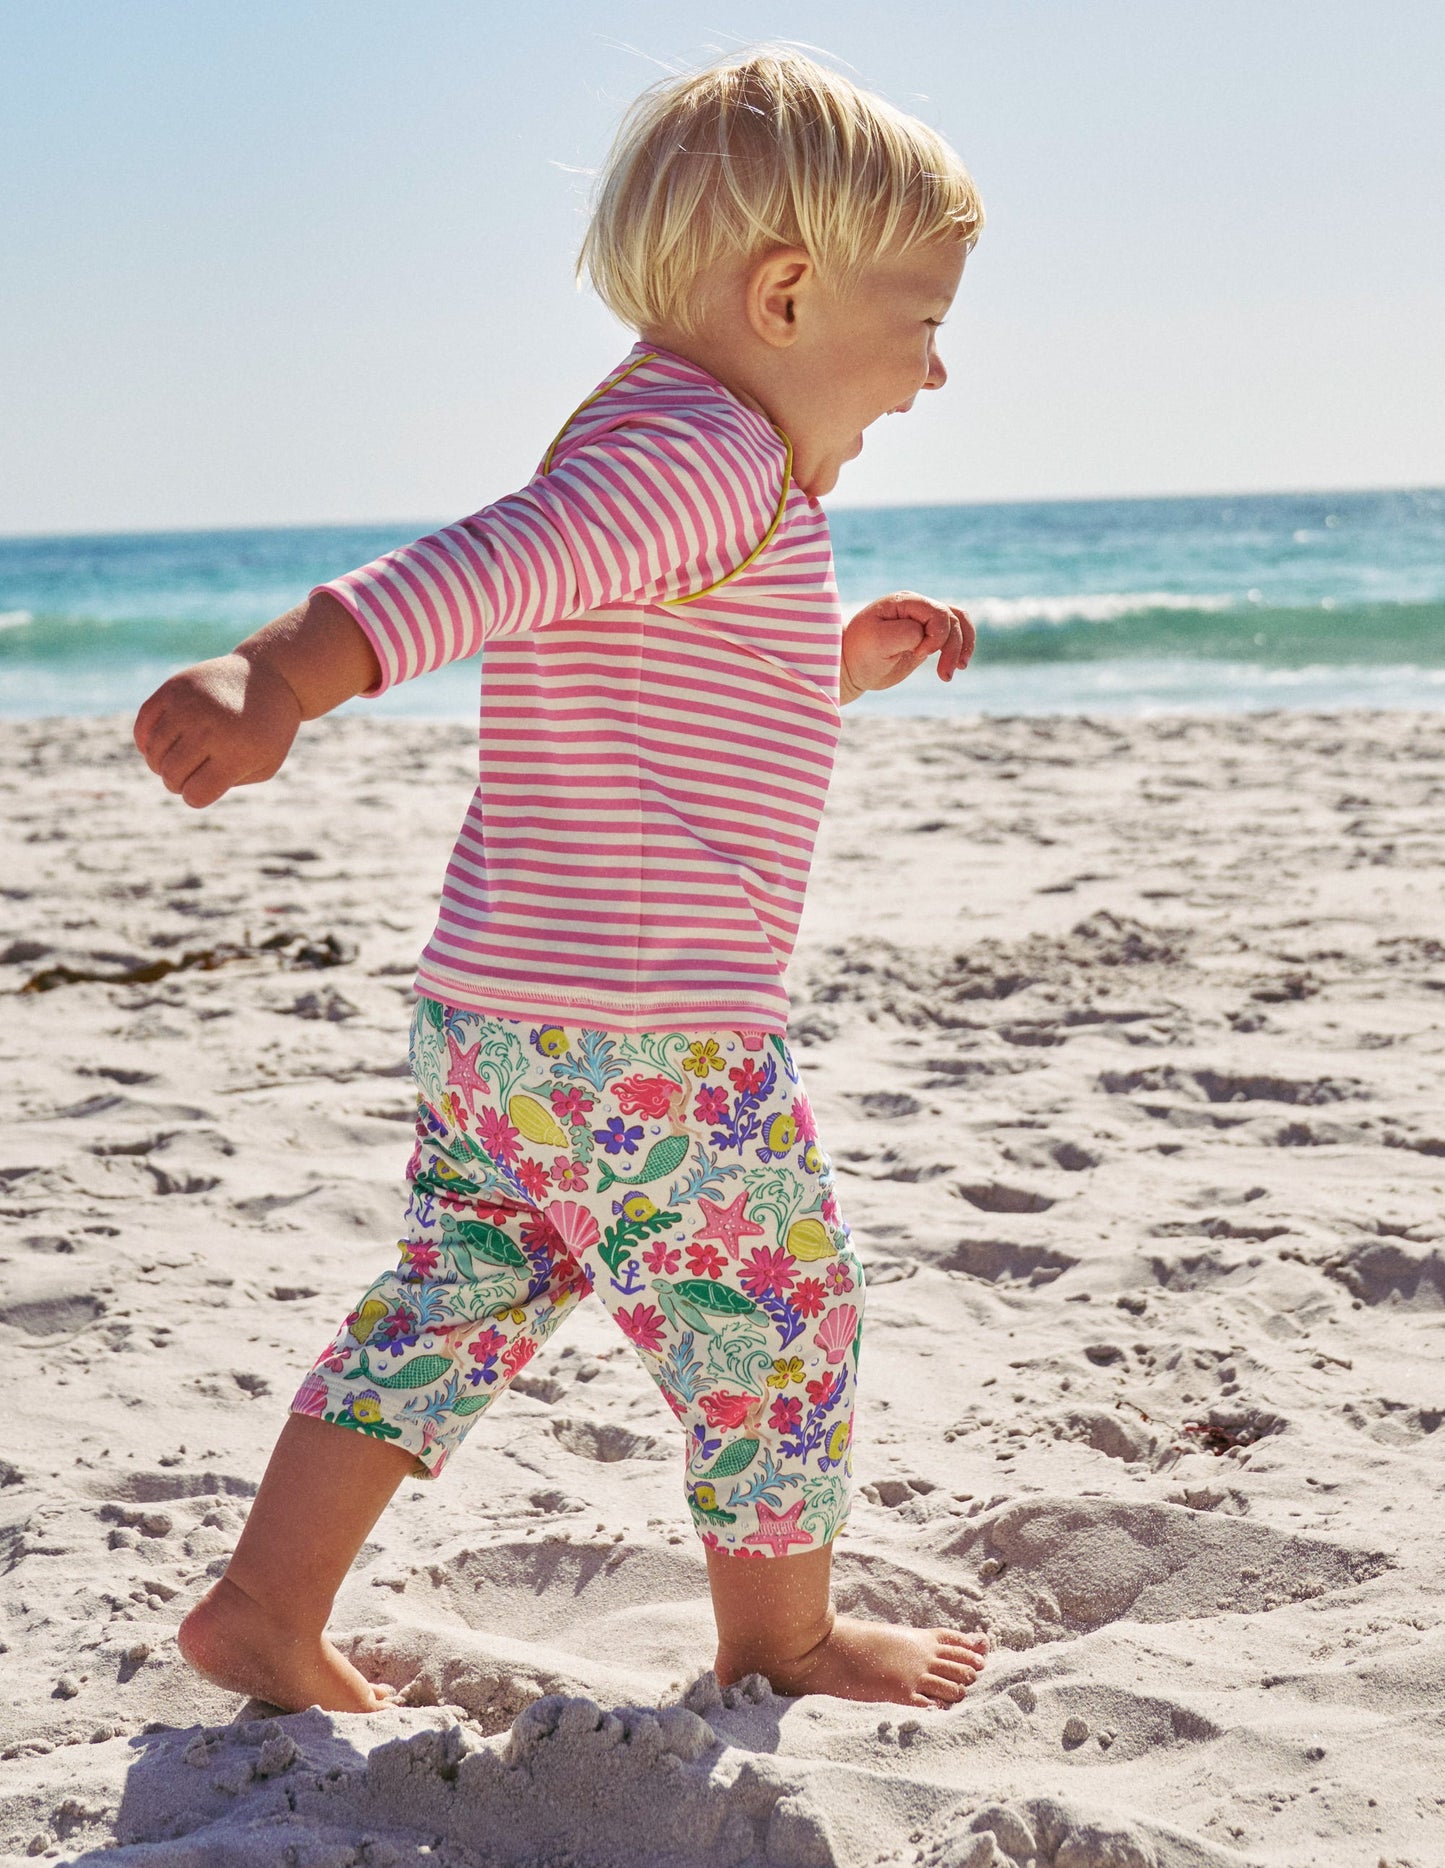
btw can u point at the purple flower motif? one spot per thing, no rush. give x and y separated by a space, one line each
704 1445
618 1138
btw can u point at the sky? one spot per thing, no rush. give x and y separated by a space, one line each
271 263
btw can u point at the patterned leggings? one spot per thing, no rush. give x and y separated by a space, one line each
678 1175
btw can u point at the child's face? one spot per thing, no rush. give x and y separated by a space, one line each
861 354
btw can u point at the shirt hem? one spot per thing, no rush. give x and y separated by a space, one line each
549 1007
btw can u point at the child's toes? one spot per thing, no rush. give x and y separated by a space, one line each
941 1690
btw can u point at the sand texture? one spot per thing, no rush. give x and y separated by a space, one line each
1125 1038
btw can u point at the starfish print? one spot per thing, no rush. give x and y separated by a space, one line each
727 1224
780 1528
462 1071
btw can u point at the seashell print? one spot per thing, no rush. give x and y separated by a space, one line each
834 1335
578 1228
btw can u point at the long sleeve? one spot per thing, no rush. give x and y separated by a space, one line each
647 512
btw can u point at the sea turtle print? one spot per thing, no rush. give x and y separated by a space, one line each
676 1175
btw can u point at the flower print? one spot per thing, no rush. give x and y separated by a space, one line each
570 1175
704 1445
805 1119
398 1331
334 1362
533 1177
786 1369
711 1104
662 1257
617 1138
497 1136
645 1096
420 1256
487 1345
806 1297
538 1233
721 1409
768 1269
496 1212
786 1414
703 1056
311 1396
517 1355
824 1392
704 1261
641 1325
838 1278
570 1106
831 1215
746 1079
455 1111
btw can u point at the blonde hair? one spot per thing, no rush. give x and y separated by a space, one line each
763 150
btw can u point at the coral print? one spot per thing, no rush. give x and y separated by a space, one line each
675 1175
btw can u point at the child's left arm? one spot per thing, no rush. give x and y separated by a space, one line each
891 637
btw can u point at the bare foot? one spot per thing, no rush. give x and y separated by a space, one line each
877 1661
233 1643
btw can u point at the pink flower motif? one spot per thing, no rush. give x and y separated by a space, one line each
662 1257
570 1106
824 1388
768 1268
569 1174
746 1078
785 1414
704 1261
807 1122
830 1209
711 1104
420 1255
645 1096
487 1344
533 1177
834 1335
642 1325
311 1396
517 1355
838 1279
806 1297
575 1225
497 1136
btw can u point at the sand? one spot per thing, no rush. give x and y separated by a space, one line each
1126 1040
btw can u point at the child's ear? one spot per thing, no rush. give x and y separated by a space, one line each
777 289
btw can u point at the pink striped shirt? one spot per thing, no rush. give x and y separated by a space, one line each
659 712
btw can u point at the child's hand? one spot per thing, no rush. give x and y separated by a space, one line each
221 723
888 639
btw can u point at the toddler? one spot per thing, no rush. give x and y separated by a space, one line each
607 1103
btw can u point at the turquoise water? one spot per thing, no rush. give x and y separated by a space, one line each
1126 606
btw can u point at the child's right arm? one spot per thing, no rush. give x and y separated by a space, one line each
231 721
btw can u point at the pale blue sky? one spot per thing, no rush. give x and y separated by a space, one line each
276 263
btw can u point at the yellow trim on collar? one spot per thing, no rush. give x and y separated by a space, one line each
763 542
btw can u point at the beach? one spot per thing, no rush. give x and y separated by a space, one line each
1124 1036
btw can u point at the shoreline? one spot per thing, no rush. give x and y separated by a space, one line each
1125 1037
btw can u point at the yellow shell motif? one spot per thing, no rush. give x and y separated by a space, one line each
809 1239
367 1318
538 1124
638 1206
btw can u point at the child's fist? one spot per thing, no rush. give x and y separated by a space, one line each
888 639
221 723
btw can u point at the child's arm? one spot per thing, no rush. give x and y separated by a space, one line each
888 639
230 721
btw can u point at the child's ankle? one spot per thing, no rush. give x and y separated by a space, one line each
779 1659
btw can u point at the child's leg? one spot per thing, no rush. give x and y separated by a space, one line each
776 1618
261 1629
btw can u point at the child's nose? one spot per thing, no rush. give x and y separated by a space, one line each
937 376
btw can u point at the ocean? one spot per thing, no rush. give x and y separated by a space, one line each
1284 600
